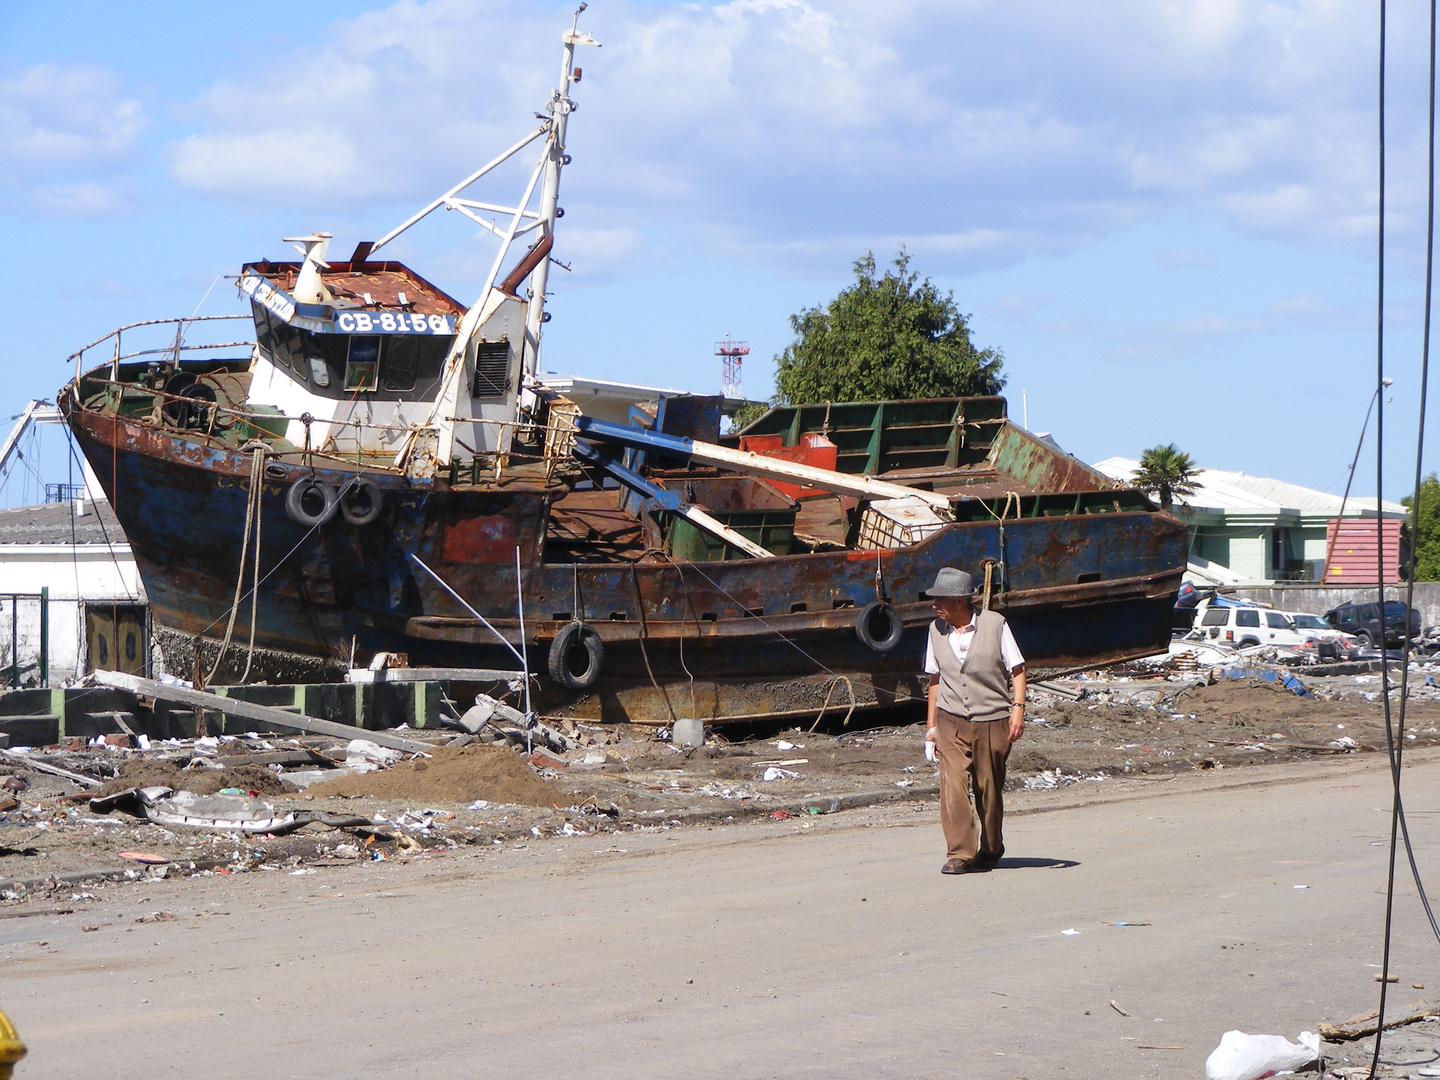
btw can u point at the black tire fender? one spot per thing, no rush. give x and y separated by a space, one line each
572 639
300 502
361 501
879 627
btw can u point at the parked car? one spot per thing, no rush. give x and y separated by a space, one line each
1363 621
1242 626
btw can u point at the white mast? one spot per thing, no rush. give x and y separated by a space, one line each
560 106
438 428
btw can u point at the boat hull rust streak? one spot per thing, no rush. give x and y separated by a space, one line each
182 500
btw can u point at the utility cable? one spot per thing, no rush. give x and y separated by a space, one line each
1380 546
1394 746
1415 495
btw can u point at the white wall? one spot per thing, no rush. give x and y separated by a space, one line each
73 575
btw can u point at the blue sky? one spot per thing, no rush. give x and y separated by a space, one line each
1163 213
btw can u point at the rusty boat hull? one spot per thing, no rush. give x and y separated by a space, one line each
722 640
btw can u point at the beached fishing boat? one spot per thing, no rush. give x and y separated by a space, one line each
374 466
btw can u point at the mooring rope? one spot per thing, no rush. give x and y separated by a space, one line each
252 515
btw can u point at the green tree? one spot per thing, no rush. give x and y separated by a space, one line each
1425 538
1166 472
889 336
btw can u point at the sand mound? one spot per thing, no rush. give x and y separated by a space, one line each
477 771
138 772
1254 698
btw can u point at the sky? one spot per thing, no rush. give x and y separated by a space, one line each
1163 213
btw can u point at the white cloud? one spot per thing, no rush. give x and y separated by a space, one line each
78 201
254 163
801 132
65 133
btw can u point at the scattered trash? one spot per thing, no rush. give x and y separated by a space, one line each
363 755
1300 886
145 857
1072 932
1118 1008
1049 779
1250 1057
227 813
1345 742
774 773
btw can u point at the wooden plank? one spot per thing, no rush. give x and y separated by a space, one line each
433 674
1348 1029
263 714
53 770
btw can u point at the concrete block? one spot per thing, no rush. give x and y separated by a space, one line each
688 733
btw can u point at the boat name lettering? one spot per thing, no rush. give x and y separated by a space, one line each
392 322
268 297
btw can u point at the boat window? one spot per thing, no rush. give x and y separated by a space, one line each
1215 616
492 369
278 340
363 363
1247 617
402 360
314 351
264 336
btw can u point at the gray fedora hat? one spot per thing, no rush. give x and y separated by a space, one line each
951 582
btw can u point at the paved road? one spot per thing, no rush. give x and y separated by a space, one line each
835 950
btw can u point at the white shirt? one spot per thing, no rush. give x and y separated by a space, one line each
960 639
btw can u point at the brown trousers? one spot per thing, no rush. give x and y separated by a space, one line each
971 751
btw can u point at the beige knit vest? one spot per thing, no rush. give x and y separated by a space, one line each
978 689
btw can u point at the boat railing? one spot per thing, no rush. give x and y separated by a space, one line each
556 435
174 348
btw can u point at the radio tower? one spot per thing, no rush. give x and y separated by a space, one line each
731 353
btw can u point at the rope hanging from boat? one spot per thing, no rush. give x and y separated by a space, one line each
685 590
1012 498
645 652
989 567
850 688
252 522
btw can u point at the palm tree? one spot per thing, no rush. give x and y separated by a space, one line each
1166 471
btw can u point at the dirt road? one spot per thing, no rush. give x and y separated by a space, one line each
829 947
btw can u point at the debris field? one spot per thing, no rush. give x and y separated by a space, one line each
486 790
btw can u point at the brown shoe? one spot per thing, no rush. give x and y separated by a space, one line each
959 866
987 860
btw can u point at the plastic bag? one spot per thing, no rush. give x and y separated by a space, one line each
1250 1057
364 755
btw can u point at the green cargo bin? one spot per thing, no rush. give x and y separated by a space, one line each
751 507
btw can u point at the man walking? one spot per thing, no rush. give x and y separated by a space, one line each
976 710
